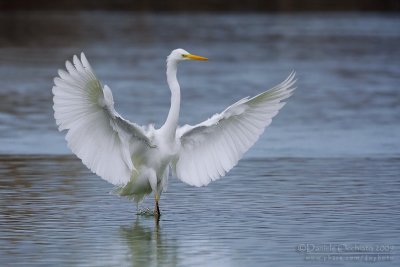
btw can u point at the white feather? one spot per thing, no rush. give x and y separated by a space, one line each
211 148
97 134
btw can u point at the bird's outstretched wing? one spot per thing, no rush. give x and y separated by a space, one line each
213 147
97 134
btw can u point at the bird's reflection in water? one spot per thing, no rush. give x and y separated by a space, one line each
147 245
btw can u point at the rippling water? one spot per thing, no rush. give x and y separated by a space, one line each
325 172
53 211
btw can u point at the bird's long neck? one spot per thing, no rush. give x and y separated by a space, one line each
170 125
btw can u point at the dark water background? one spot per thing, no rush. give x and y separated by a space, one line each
325 172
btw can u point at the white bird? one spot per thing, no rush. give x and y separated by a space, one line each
137 159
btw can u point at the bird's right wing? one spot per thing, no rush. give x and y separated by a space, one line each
213 147
97 134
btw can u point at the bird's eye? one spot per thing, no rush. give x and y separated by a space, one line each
183 55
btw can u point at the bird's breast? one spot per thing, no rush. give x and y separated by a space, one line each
162 154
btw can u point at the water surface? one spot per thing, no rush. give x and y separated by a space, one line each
347 103
54 211
325 172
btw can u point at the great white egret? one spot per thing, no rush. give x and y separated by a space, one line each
138 159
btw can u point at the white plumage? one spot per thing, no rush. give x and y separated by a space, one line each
211 148
137 159
96 132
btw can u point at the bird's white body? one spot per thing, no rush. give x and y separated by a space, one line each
138 159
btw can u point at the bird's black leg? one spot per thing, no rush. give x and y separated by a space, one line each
157 213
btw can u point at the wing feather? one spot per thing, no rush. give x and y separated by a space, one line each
212 148
96 133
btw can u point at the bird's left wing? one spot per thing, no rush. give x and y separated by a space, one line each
97 134
213 147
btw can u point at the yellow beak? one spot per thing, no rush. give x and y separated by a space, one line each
195 57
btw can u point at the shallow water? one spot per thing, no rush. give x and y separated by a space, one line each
325 172
55 212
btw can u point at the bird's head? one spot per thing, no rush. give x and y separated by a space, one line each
181 54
